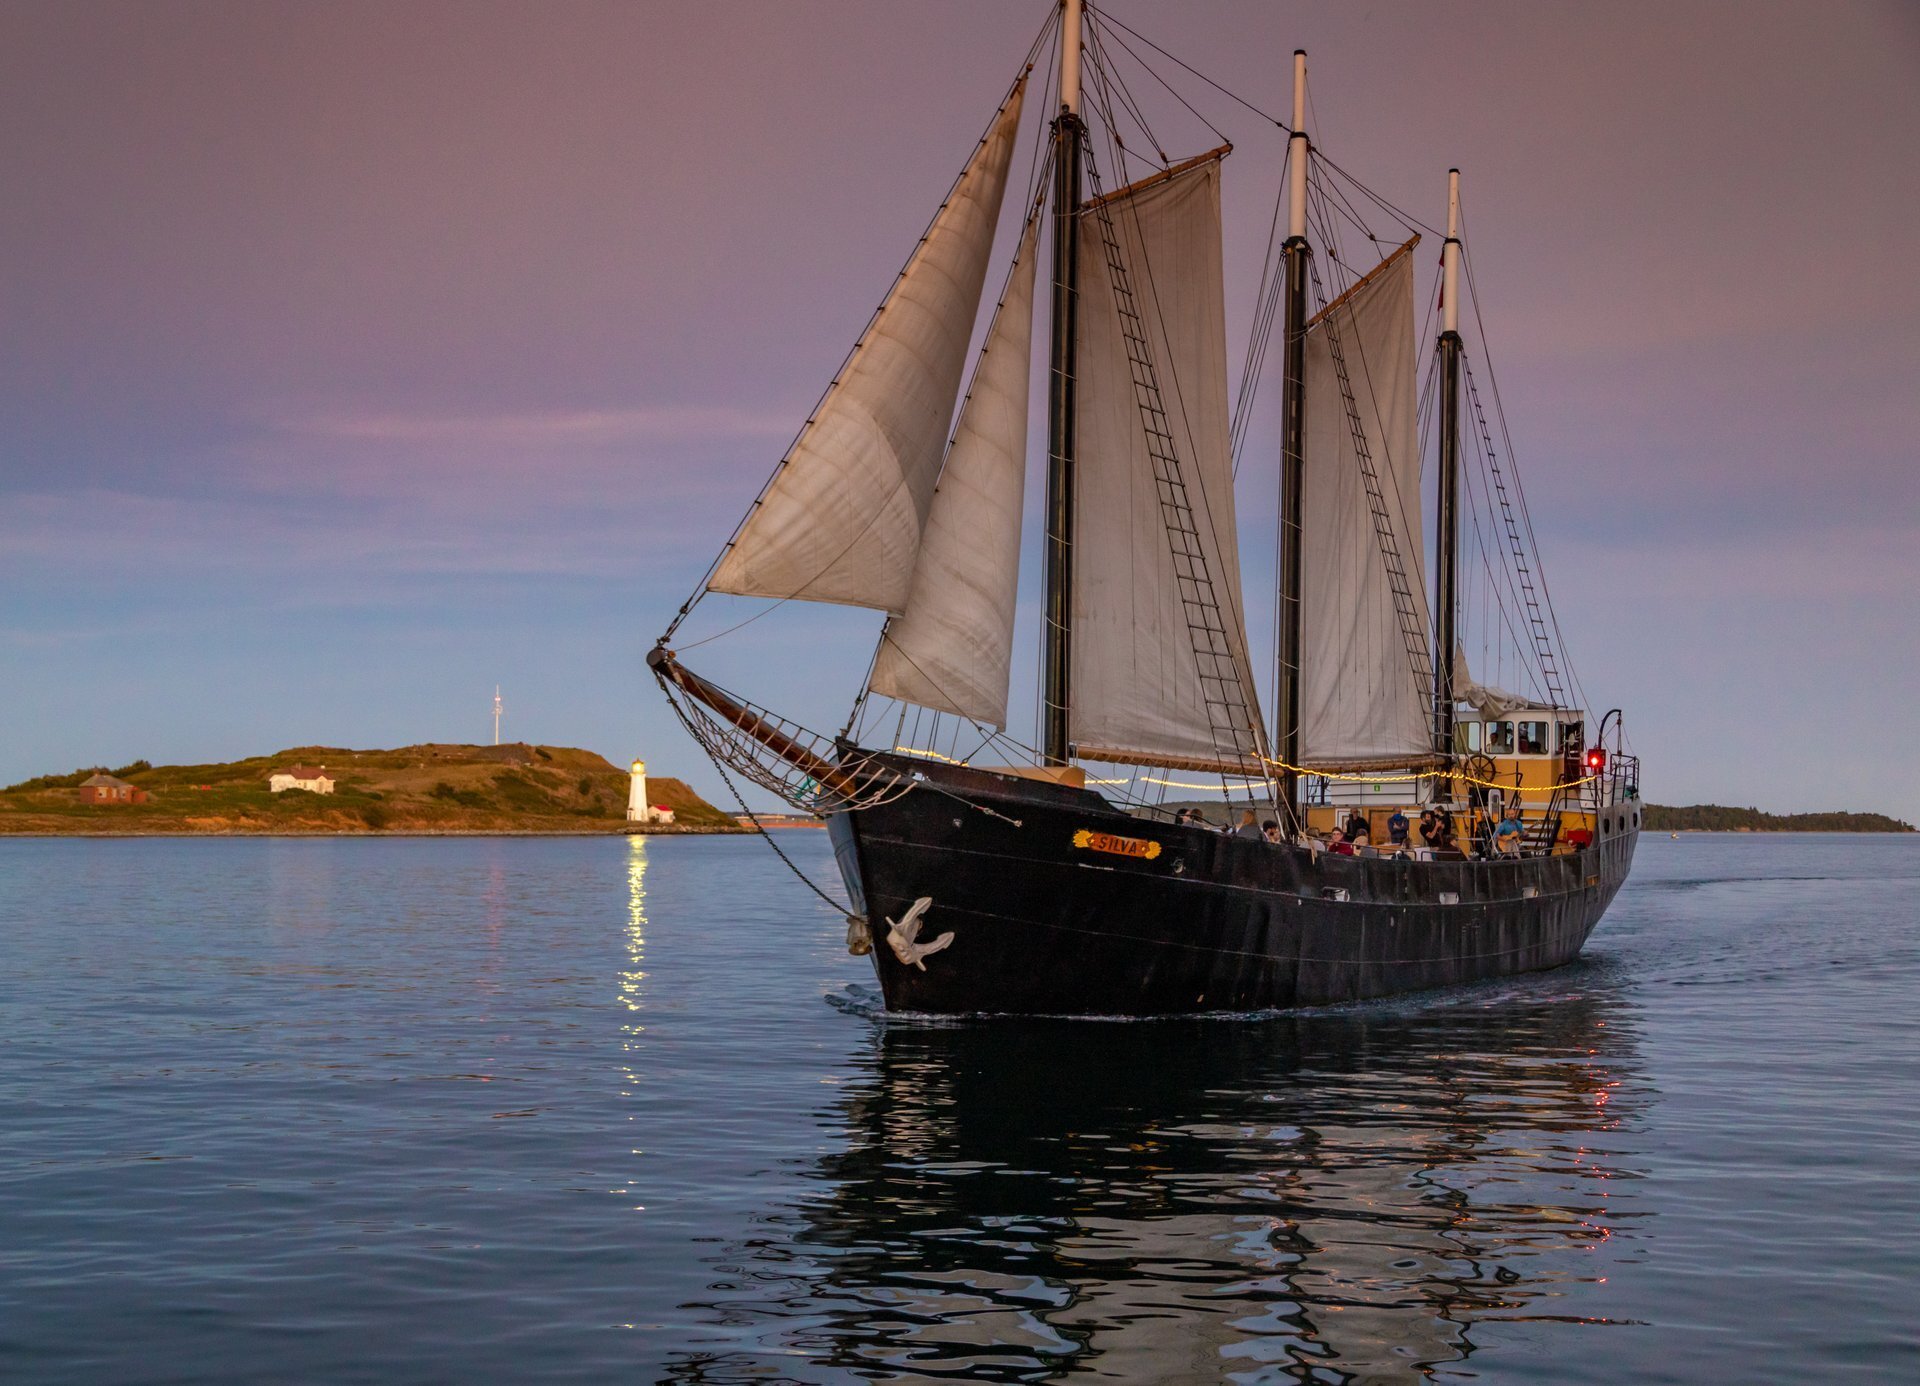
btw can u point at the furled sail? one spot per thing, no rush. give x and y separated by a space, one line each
1484 698
952 648
1160 668
1361 702
841 520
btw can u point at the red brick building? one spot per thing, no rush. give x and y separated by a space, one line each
106 789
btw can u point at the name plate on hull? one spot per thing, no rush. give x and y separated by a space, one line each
1140 847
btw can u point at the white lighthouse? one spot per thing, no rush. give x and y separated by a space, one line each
638 809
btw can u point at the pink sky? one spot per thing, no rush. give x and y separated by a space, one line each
445 342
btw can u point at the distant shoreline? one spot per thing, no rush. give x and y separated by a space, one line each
1777 832
1717 818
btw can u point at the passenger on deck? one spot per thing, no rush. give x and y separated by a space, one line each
1442 838
1506 837
1338 844
1397 829
1249 827
1270 830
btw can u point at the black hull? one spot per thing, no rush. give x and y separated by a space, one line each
1045 923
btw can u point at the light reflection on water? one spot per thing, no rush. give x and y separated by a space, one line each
634 975
1346 1195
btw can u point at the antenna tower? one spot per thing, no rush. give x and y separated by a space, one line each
496 714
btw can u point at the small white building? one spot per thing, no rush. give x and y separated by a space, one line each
313 780
638 809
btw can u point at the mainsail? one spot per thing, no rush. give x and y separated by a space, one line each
841 521
952 648
1361 701
1160 668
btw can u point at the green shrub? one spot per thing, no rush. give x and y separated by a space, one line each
519 792
466 798
57 781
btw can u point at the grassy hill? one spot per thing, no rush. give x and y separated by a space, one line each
430 788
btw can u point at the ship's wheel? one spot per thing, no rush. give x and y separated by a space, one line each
1480 771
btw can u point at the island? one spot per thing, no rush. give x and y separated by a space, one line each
1718 818
428 789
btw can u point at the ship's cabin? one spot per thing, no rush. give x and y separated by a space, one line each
1528 763
1528 734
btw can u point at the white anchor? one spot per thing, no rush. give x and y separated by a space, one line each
901 936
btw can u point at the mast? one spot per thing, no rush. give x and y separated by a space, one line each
1446 606
1286 701
1057 667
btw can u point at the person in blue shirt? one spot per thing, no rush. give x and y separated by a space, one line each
1397 829
1506 837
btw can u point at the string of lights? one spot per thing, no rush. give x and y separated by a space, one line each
1408 778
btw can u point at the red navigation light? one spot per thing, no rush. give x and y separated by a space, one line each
1596 761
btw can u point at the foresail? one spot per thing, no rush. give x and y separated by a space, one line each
1361 700
1159 653
842 518
951 650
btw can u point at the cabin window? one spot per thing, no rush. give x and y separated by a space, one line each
1573 738
1466 736
1533 738
1500 738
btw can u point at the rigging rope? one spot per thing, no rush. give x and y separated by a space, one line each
1096 25
805 880
1120 24
1506 437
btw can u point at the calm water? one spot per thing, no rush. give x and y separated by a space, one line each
462 1110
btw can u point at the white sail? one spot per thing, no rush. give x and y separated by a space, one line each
841 520
1360 701
1140 692
951 650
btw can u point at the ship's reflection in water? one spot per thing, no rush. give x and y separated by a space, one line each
1334 1197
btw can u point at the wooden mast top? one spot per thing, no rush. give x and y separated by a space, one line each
1365 280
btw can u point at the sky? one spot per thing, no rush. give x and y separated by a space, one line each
356 358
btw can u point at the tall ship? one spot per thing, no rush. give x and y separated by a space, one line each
1380 821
